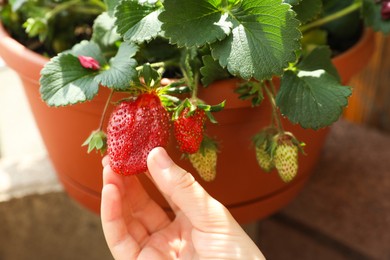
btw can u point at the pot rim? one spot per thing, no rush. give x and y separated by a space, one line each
11 45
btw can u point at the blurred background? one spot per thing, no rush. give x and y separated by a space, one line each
343 212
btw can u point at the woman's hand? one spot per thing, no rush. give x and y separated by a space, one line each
136 227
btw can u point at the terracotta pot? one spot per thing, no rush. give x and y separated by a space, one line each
248 192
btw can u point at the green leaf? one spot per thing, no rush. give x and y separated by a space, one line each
212 71
194 22
372 16
251 90
16 4
312 39
292 2
319 58
314 99
136 22
104 32
36 27
111 4
121 69
64 81
308 10
263 41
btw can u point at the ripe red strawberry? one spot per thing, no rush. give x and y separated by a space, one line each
385 10
134 129
188 130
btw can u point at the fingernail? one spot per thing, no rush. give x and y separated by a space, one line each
162 158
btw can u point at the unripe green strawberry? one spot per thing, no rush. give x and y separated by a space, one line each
188 130
264 158
263 146
205 160
286 157
134 129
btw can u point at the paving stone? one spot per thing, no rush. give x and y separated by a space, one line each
347 199
50 226
279 240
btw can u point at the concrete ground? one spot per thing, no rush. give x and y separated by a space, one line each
343 212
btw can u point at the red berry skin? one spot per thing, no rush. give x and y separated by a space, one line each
385 10
188 130
134 129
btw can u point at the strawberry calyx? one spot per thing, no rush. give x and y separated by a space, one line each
196 104
97 140
208 144
290 139
266 136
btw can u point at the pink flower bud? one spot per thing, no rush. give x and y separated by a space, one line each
385 10
89 62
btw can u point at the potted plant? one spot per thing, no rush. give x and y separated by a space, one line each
263 70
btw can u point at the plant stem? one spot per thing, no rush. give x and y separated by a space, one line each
105 110
87 10
99 3
65 5
349 9
195 86
275 115
225 3
158 64
59 8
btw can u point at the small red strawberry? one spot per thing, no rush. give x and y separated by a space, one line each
188 129
134 129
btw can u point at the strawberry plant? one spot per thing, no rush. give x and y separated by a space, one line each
137 44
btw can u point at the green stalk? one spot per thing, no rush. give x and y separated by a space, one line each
59 8
195 86
159 64
275 115
65 5
87 10
225 3
349 9
105 110
99 4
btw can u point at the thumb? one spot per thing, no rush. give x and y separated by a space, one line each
186 193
